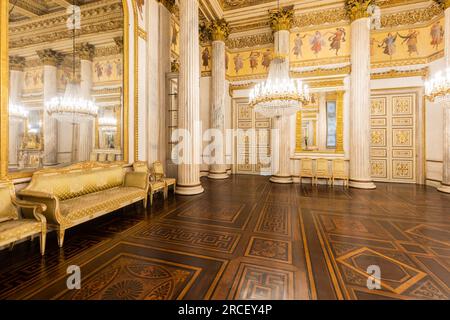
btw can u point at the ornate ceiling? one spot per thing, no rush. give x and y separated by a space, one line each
21 10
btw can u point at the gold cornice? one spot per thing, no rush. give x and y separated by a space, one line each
250 41
424 73
410 17
243 86
281 19
357 9
325 83
316 18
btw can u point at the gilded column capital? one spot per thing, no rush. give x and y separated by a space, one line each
444 4
86 51
169 4
219 30
281 19
16 63
358 9
50 57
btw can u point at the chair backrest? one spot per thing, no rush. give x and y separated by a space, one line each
140 166
7 210
111 157
322 167
306 166
93 156
339 167
77 180
158 170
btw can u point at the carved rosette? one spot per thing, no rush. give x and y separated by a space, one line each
50 57
358 9
16 63
86 51
219 30
444 4
281 19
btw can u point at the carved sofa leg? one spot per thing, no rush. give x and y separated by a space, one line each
61 237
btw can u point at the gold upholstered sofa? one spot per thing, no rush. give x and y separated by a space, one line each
84 191
12 227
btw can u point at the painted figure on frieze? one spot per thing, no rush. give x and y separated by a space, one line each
437 35
238 63
266 59
317 42
205 58
298 45
388 44
253 59
336 39
411 40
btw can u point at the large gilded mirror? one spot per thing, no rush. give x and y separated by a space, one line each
320 124
66 83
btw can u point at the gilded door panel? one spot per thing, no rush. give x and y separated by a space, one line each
253 149
393 142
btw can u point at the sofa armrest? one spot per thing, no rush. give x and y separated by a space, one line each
49 201
137 180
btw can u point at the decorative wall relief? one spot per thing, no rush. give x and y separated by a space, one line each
107 69
33 79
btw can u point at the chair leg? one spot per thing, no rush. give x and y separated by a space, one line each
166 192
175 188
43 240
151 199
145 202
61 233
11 246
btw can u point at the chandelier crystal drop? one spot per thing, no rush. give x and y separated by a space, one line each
437 89
17 112
279 95
72 107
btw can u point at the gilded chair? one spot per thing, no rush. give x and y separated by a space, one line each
155 186
159 175
340 172
306 169
322 171
13 228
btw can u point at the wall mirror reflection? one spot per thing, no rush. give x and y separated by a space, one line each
65 83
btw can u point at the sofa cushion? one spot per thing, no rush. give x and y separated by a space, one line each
77 182
7 210
96 204
14 230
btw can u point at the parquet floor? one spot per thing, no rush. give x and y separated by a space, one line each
246 238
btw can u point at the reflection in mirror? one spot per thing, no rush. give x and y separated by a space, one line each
331 124
65 83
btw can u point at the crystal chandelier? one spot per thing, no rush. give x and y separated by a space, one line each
72 107
17 112
279 95
437 89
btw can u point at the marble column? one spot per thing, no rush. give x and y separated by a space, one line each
16 127
85 138
219 32
189 100
360 173
281 22
445 185
50 59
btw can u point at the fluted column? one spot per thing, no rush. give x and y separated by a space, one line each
189 100
360 173
445 185
219 32
85 139
50 59
281 150
16 127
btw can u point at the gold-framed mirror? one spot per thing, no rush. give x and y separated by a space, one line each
74 51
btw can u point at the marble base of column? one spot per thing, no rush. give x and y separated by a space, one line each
282 180
189 190
367 185
218 172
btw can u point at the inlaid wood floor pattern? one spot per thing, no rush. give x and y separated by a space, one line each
246 238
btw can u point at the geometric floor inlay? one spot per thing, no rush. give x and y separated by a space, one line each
270 249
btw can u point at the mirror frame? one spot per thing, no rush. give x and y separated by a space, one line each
4 92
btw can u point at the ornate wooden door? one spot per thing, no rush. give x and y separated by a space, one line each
393 138
253 139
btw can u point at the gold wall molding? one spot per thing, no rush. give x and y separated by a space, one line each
142 34
321 72
405 62
340 121
411 17
424 73
320 62
243 86
136 80
250 41
238 4
317 18
327 83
